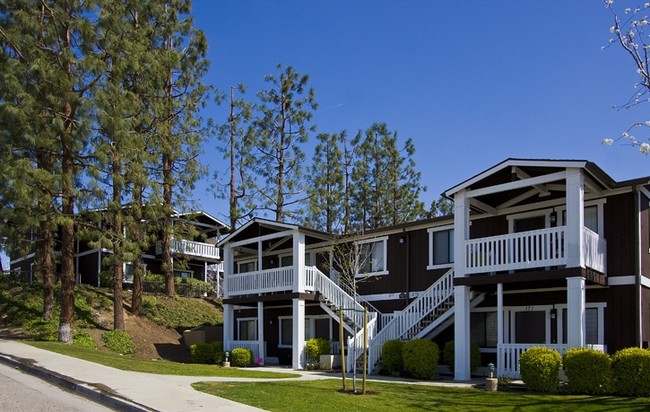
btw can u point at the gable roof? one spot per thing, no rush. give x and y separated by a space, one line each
261 226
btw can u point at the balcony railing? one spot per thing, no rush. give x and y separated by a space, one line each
532 249
192 248
262 281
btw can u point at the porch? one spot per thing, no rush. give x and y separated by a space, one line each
508 355
192 248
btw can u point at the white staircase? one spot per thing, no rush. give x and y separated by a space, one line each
429 310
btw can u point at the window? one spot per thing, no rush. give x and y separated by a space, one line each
247 329
249 266
592 217
286 332
286 261
441 247
484 329
593 324
178 273
128 269
372 255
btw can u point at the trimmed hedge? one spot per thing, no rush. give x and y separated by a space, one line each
539 368
316 347
241 357
420 358
448 354
207 352
588 371
391 356
631 372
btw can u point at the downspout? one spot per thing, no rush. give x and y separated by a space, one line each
637 278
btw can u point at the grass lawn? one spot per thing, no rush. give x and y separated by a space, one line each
324 395
128 363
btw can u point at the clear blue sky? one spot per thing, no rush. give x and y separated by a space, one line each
472 82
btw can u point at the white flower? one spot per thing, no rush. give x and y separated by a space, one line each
608 3
611 29
628 10
625 134
607 141
644 148
646 5
647 123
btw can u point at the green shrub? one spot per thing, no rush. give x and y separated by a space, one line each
420 358
83 339
241 357
539 368
316 347
39 329
207 352
449 351
631 372
119 341
588 371
391 356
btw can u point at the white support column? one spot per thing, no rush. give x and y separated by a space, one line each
228 325
260 329
228 268
461 333
298 262
576 312
461 232
298 341
500 358
575 219
260 255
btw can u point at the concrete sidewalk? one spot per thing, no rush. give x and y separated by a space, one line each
136 391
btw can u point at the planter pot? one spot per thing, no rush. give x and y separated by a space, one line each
330 361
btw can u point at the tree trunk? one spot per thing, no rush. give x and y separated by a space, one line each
45 266
138 269
166 241
118 244
67 243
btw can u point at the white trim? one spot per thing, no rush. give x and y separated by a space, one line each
645 282
518 184
387 296
246 261
20 259
622 280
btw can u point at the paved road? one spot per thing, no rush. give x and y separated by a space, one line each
25 393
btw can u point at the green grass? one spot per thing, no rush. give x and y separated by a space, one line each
128 363
325 395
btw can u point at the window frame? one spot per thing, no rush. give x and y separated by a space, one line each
239 329
384 250
431 265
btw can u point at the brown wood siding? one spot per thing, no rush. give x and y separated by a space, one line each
620 233
645 236
621 318
645 316
491 226
88 268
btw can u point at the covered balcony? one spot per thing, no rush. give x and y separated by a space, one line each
192 248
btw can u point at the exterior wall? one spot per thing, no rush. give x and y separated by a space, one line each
88 269
491 226
645 316
621 318
645 235
620 233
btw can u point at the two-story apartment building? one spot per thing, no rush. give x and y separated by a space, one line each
194 252
537 252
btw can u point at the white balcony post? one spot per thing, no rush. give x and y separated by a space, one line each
260 329
461 232
461 333
228 268
298 331
576 312
575 219
228 325
298 262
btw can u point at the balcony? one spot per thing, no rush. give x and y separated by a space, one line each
534 249
192 248
268 281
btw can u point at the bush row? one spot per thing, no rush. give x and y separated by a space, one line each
588 371
213 353
417 358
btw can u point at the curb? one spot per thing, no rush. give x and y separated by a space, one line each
89 391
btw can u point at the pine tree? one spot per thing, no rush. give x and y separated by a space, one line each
326 188
236 147
285 110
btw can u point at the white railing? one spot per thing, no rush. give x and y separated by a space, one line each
338 298
508 355
594 250
255 346
407 321
536 248
264 281
355 343
192 248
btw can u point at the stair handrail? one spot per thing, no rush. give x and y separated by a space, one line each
404 320
339 298
358 340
